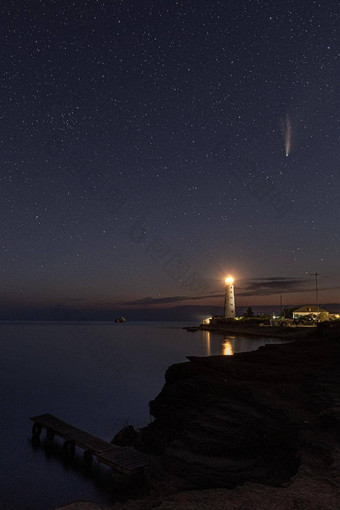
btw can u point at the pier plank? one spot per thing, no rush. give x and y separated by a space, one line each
123 459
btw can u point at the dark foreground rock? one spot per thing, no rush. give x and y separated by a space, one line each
257 431
253 417
126 437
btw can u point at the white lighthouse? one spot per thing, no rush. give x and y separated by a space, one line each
229 298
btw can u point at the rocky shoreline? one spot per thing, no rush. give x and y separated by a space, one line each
289 333
255 430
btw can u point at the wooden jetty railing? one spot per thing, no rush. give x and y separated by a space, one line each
122 459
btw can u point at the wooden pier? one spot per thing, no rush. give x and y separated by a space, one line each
125 460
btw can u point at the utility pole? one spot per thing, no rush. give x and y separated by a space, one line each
317 294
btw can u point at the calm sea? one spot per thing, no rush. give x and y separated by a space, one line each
98 377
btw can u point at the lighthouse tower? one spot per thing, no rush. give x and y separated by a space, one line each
229 298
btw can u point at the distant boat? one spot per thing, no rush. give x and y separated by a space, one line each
120 319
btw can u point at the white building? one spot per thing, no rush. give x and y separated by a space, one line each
313 310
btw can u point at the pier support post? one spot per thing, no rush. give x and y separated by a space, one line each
69 448
50 433
36 429
87 457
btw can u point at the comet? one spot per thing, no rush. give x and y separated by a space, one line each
287 133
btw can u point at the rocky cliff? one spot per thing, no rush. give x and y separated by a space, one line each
256 431
252 417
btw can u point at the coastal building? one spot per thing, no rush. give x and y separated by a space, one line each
313 310
229 298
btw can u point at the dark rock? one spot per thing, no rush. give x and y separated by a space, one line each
125 437
226 420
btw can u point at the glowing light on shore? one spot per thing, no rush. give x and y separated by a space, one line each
229 280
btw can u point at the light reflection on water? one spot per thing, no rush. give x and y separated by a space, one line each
227 345
207 341
227 348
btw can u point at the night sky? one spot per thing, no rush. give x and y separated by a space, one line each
143 154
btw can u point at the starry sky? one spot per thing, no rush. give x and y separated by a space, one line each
143 154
